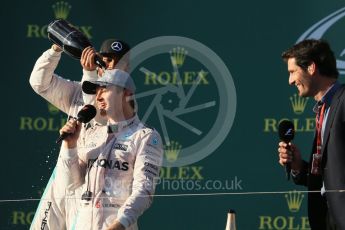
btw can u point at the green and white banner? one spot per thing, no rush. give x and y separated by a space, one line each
209 78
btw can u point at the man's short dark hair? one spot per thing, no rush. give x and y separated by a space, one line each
317 51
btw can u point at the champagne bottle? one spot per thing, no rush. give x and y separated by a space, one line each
70 39
231 221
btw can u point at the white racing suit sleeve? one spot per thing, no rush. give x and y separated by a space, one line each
146 171
58 91
69 169
89 75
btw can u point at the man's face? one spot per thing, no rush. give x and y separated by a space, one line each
110 63
109 101
300 78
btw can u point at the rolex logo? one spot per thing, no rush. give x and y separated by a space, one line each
172 151
298 103
178 55
294 200
52 109
61 9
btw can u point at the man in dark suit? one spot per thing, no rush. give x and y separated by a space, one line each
312 69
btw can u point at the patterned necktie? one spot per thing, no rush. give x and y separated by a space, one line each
317 156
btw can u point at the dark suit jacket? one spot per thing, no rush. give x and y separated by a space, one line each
333 173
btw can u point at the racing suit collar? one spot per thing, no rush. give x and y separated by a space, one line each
95 122
119 126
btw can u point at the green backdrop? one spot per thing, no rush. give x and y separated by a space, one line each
233 136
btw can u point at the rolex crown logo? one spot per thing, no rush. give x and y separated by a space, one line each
178 56
294 200
52 109
298 103
61 9
172 151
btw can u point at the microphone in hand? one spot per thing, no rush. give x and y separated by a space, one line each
85 115
286 131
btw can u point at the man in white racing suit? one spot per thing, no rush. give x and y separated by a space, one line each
117 178
56 209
